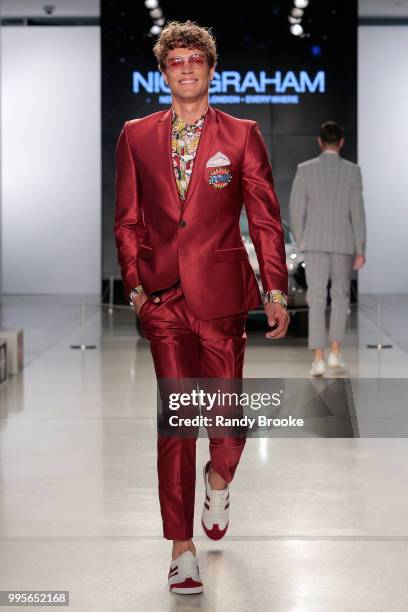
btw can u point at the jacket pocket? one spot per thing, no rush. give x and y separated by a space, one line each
229 254
144 251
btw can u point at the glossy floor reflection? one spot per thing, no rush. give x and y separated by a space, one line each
317 525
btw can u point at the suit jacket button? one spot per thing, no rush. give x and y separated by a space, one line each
182 223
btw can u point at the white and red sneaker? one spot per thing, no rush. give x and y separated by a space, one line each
215 516
184 576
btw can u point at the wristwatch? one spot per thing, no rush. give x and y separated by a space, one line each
275 295
134 292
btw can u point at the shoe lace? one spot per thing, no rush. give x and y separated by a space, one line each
188 566
218 501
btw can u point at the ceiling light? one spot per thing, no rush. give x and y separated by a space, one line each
156 13
296 29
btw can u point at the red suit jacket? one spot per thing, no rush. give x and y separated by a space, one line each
161 239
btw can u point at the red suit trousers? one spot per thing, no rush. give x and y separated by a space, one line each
184 346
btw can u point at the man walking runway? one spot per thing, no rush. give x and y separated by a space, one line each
328 221
182 177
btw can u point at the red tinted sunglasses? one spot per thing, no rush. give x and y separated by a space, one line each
176 63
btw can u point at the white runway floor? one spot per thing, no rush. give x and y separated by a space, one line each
317 525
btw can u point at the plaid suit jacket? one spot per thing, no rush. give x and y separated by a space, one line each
326 206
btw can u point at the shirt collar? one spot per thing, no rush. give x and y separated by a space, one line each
179 124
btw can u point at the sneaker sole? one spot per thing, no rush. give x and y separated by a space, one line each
187 591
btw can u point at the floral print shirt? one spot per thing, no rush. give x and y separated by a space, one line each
184 145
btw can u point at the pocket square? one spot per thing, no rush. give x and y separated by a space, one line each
219 159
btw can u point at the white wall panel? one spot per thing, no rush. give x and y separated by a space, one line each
51 167
383 155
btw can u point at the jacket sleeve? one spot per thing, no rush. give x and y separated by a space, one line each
357 214
297 206
128 215
263 212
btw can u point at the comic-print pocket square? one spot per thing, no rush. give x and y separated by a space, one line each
219 159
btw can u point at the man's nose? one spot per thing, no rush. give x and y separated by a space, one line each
186 67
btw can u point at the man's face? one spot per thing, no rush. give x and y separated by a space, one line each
188 79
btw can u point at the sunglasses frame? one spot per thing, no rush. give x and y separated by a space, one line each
180 64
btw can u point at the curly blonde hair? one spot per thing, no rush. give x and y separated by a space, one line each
188 35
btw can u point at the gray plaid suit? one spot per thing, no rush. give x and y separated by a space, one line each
328 221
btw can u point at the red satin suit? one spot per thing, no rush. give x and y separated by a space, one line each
198 328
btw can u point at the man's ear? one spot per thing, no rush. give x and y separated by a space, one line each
211 73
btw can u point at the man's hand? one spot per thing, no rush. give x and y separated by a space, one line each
359 262
140 299
277 315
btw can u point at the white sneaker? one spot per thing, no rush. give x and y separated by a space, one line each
336 361
184 576
318 368
215 516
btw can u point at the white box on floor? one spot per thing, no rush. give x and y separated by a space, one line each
15 352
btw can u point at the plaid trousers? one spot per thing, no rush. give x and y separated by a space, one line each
320 266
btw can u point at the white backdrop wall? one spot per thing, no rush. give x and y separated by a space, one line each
51 160
383 155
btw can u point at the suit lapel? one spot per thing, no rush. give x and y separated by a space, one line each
207 138
164 153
